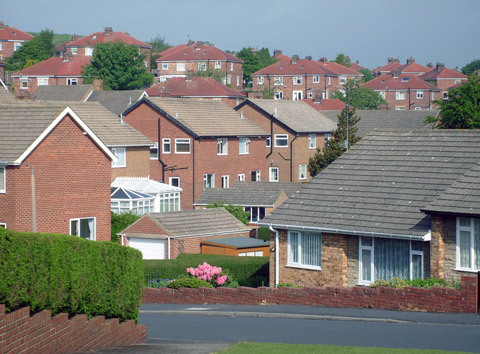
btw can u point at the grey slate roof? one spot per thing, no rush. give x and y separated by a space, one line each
207 118
116 101
297 115
264 194
61 93
463 197
240 242
195 222
382 183
388 120
6 96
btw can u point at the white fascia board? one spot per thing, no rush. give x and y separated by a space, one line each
77 119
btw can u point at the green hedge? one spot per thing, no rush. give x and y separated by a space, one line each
247 271
69 274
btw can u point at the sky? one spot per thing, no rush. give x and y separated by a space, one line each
370 31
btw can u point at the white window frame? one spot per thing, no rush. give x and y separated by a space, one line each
164 66
420 95
416 253
93 236
88 51
471 230
166 142
121 162
260 80
3 179
297 95
400 95
153 154
299 263
16 46
445 95
225 181
400 108
231 66
218 64
418 108
202 66
268 141
171 179
183 141
302 172
343 80
169 202
382 94
273 174
229 79
243 146
42 81
278 81
74 50
222 146
297 80
238 80
72 81
278 95
316 79
241 177
208 177
281 137
24 83
1 46
3 224
312 141
258 175
181 67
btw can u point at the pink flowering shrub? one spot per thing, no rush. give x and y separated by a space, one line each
209 273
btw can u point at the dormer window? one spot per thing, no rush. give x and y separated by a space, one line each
405 79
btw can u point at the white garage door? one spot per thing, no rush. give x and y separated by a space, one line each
150 248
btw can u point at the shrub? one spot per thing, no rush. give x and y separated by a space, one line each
264 233
418 283
247 271
64 273
288 285
120 222
194 283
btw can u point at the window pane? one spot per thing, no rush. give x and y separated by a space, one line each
74 227
392 259
259 253
2 178
367 265
311 249
465 251
476 243
464 222
416 266
367 241
294 247
86 228
417 246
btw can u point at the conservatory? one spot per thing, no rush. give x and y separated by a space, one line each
127 200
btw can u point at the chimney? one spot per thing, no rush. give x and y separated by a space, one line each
67 56
199 45
276 52
430 65
2 25
295 59
74 37
107 31
410 60
440 66
189 76
317 99
323 60
97 85
392 60
190 43
308 57
396 73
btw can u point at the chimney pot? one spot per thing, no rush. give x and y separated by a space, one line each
2 25
323 60
295 59
430 65
410 60
308 57
440 66
190 43
276 52
108 30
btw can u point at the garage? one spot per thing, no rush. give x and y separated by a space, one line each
150 248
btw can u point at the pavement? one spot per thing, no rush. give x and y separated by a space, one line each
279 311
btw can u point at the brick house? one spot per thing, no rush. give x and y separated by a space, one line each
167 235
55 173
392 64
295 130
2 73
85 46
413 68
342 72
11 39
201 143
196 87
53 71
444 78
404 92
395 205
197 56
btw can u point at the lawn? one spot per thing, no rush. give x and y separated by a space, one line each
252 348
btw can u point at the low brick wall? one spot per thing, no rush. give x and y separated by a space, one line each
20 332
412 299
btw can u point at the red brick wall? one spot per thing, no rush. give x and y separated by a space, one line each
33 84
20 332
410 299
411 101
137 163
65 185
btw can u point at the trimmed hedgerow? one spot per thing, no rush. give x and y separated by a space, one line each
194 283
64 273
247 271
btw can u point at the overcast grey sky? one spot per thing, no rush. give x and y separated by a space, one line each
369 30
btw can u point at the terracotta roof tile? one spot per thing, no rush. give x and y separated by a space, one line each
287 67
56 67
14 34
197 87
339 69
356 67
326 104
194 53
103 37
402 82
443 73
413 68
388 68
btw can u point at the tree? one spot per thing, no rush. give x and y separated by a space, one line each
471 67
120 222
462 108
367 74
158 45
335 146
237 211
216 74
40 48
254 61
360 97
120 66
343 59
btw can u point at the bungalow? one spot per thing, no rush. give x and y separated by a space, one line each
395 205
167 235
47 155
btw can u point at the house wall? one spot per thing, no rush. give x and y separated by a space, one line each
2 73
137 163
65 185
280 155
81 52
411 101
8 48
33 84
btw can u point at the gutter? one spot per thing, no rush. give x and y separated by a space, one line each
277 242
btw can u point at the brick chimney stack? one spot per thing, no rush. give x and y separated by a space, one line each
108 30
190 43
430 65
392 60
440 66
189 76
323 60
276 52
97 85
410 60
199 45
295 59
2 25
308 57
396 73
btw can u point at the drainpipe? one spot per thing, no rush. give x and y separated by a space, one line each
193 170
33 196
168 241
271 133
291 157
159 146
277 242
